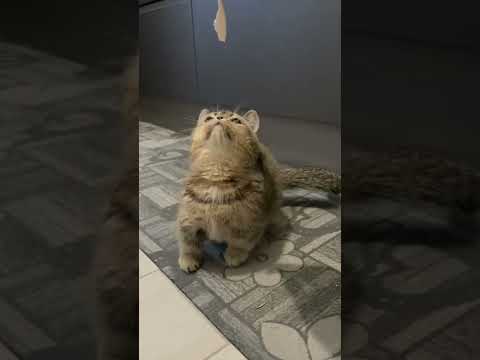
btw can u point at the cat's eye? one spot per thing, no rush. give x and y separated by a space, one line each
208 118
236 120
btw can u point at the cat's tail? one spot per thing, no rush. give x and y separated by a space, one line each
310 178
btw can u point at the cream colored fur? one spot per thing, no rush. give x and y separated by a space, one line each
232 192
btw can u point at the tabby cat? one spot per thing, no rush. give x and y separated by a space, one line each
233 192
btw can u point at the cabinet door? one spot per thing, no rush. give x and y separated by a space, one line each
167 60
281 56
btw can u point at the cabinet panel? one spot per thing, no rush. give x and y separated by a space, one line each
167 60
281 57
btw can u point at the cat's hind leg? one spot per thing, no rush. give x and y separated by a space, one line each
239 249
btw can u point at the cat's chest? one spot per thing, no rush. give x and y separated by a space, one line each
216 231
222 222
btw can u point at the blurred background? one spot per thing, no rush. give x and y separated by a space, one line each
60 152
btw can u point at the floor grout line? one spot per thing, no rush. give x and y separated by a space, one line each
223 342
190 302
148 259
149 273
218 351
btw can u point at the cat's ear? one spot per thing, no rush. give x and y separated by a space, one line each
202 114
253 120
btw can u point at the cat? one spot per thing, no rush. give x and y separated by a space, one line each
233 192
115 268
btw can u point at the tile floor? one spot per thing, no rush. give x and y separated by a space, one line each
175 330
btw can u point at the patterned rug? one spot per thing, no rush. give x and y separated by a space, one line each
285 302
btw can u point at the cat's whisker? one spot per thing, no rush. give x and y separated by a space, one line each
192 120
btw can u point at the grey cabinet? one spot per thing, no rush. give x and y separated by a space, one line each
167 51
282 57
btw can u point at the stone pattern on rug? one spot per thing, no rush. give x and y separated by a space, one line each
285 302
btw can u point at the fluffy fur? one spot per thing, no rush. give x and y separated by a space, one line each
310 178
233 191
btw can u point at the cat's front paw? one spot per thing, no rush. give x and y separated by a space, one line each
235 258
189 263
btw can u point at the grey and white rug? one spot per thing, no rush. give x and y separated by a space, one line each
285 302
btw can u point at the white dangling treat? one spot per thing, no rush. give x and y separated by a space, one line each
220 22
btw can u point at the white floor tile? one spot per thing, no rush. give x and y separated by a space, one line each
229 352
170 325
146 266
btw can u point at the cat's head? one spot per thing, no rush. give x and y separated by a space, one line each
226 134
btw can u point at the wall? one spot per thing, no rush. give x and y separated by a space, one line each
278 59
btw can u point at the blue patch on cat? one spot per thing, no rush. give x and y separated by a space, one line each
215 250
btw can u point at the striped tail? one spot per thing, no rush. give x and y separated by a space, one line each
310 178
